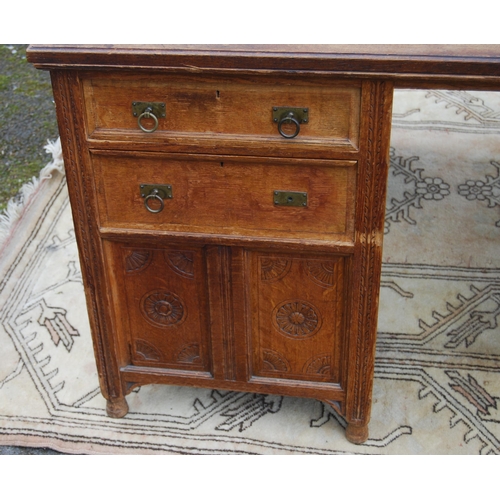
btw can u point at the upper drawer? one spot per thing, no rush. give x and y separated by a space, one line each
233 196
212 111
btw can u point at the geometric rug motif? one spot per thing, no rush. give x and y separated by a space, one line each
437 370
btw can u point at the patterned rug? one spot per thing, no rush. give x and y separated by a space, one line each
437 375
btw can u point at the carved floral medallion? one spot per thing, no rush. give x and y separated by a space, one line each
297 319
163 308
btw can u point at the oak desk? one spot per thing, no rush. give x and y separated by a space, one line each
229 204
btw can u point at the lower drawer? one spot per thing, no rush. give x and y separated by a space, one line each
229 196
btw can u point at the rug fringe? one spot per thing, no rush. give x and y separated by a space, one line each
17 205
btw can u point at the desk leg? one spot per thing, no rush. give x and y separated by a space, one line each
117 407
77 163
367 260
356 434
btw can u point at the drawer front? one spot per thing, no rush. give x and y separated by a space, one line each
232 108
230 196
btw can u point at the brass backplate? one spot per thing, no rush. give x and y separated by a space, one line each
290 199
300 114
164 191
157 108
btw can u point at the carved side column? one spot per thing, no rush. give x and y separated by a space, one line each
365 286
69 107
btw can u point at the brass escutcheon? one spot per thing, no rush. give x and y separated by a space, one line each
290 198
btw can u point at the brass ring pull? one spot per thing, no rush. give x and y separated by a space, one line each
154 194
290 118
147 114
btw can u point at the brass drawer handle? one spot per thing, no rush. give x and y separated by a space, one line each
153 110
154 195
148 113
290 118
282 115
158 192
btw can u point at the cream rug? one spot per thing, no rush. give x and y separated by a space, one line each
437 384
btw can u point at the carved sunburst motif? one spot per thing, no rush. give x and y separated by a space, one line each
272 269
181 262
163 308
137 260
189 353
297 319
147 351
321 272
321 365
272 361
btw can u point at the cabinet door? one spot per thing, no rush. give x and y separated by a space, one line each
297 316
160 303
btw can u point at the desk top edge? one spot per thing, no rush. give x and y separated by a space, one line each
462 51
387 61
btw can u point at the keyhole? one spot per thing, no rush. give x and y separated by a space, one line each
289 199
217 94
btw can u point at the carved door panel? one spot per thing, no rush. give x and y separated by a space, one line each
165 309
298 316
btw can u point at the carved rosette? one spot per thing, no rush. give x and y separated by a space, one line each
272 361
137 260
182 263
297 319
321 272
320 365
163 308
147 351
189 353
272 269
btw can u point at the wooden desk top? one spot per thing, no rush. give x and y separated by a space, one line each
408 66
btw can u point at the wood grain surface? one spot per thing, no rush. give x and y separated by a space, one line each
222 288
473 65
228 195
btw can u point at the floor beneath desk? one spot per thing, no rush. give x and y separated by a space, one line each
437 383
20 450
